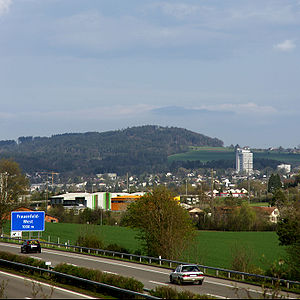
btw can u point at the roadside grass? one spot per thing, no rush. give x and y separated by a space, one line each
206 154
212 248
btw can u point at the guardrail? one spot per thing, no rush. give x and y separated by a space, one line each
102 286
170 263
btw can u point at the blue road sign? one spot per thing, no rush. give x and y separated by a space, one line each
27 221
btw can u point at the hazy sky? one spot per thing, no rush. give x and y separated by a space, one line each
227 69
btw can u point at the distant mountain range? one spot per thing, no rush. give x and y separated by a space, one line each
135 150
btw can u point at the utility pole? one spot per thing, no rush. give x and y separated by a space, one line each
186 188
127 182
248 190
212 190
46 196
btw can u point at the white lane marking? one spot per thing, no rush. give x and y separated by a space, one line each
219 283
8 245
110 273
216 296
35 257
72 265
160 283
47 285
103 261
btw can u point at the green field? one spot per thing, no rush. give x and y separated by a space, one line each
206 154
213 248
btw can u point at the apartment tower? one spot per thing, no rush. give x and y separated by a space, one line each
244 161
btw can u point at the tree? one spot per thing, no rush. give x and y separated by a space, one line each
274 183
242 218
288 231
279 199
166 228
13 184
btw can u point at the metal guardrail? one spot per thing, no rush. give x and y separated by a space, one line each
103 286
169 263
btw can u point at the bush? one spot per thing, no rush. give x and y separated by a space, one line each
117 248
22 259
96 275
242 259
89 241
169 293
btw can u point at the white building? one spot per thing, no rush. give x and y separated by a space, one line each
96 200
244 161
285 167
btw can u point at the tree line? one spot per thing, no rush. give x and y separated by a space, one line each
136 150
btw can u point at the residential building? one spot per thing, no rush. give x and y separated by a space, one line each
285 167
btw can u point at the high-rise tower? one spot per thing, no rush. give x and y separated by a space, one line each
244 160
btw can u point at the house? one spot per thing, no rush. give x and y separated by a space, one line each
195 212
271 212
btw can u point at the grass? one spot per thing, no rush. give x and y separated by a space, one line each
217 247
206 154
213 248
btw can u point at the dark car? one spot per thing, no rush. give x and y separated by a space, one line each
31 246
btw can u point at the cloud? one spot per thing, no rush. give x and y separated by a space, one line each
246 108
96 113
177 10
286 46
4 6
207 110
179 111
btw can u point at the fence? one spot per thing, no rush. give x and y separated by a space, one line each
122 293
218 272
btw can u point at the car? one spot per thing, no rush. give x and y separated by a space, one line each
187 273
31 246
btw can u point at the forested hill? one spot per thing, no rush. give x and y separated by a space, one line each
136 150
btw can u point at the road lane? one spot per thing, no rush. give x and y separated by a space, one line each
20 287
149 275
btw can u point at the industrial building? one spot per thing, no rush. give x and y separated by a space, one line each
102 200
244 161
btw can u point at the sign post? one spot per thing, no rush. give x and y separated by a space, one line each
27 221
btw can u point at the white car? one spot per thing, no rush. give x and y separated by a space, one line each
187 273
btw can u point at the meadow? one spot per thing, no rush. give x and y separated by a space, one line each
212 248
206 154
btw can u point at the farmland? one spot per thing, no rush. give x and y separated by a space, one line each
205 154
212 248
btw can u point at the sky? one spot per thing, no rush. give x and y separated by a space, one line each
227 69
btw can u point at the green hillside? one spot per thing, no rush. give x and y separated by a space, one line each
206 154
135 150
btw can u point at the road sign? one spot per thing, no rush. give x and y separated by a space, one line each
27 221
16 234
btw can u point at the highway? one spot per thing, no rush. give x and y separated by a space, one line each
149 275
20 287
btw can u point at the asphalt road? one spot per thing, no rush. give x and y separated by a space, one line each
18 287
149 275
